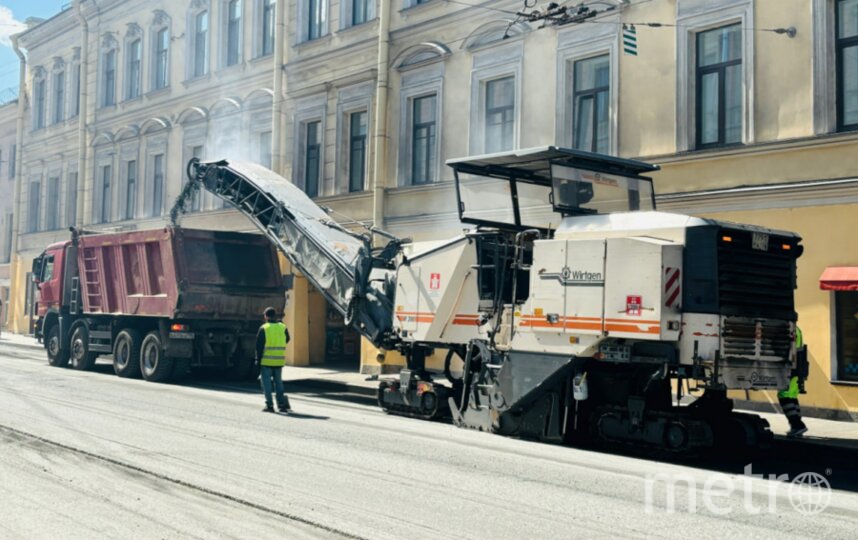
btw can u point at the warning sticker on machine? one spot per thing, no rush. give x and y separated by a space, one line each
633 305
434 282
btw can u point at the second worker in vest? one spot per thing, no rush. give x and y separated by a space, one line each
271 343
788 397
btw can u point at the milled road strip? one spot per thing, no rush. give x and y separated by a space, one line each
16 433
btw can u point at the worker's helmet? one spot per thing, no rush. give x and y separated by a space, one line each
270 313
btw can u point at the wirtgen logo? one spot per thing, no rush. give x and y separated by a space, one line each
808 493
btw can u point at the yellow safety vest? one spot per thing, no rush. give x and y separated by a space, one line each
274 354
792 391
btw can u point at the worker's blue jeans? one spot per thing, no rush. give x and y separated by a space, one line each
273 374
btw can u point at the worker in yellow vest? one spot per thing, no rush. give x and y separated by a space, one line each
788 397
271 343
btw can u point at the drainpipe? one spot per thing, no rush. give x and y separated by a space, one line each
82 138
16 297
380 155
278 126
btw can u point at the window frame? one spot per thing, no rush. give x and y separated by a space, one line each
34 205
232 53
159 54
698 16
837 335
488 110
305 157
265 43
105 182
305 19
108 85
493 63
157 182
40 89
71 198
52 202
131 172
134 68
593 94
193 70
350 149
417 82
59 95
839 45
699 73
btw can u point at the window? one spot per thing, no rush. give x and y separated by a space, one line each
201 44
157 185
34 204
357 150
134 60
130 189
423 134
1 160
162 57
846 324
52 210
500 114
108 91
312 157
233 32
591 104
75 102
13 156
268 9
59 96
8 253
360 11
316 15
265 149
847 65
104 215
39 110
719 86
71 200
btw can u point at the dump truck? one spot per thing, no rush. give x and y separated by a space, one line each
160 301
576 310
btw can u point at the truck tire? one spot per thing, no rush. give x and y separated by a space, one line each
57 356
154 363
126 353
79 355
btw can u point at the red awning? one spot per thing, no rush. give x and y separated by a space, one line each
839 278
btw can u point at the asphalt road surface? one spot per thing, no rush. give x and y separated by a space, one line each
88 455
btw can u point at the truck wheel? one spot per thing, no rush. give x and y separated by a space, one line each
81 358
56 356
155 365
126 353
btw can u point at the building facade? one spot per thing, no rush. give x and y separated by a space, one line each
8 131
749 106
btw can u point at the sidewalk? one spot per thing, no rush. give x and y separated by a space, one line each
820 431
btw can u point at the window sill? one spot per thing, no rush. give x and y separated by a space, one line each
130 101
417 188
309 43
226 71
843 383
194 80
158 92
417 8
353 28
261 58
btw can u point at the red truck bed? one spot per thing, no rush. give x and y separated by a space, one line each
179 273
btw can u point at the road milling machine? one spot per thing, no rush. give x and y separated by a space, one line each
569 309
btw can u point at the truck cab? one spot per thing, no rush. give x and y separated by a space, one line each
50 270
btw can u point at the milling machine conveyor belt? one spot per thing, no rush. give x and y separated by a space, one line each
336 261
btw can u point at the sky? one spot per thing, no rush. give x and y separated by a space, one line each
12 15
